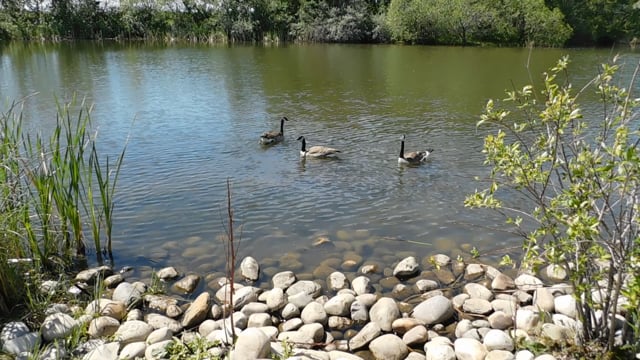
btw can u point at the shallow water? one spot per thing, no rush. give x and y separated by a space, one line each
193 116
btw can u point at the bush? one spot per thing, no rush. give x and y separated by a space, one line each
580 180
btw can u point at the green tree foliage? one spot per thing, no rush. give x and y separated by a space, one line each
570 185
602 22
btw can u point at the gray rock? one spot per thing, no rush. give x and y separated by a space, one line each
314 313
365 336
251 344
133 350
306 287
527 319
259 320
553 332
290 311
283 279
224 293
477 291
566 305
502 282
543 299
158 321
437 351
57 326
129 293
197 311
555 272
167 273
341 355
473 271
314 330
102 326
417 335
156 351
159 303
249 269
275 299
89 276
339 305
440 260
469 349
524 355
528 282
188 283
408 267
339 322
106 307
434 310
301 339
400 326
245 295
133 331
291 324
498 340
337 281
12 330
507 306
107 351
361 285
24 343
384 312
499 355
499 320
424 285
477 306
159 335
388 347
359 312
462 327
254 308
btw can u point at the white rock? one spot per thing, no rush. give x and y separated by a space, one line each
417 335
197 311
433 310
528 282
337 281
388 347
107 351
498 340
283 279
361 285
499 355
304 286
102 326
543 299
159 335
132 351
156 351
25 343
167 273
275 299
469 349
406 268
527 319
314 313
339 305
251 344
424 285
158 321
439 351
259 320
129 293
566 305
12 330
555 272
477 291
133 331
384 312
524 355
249 268
341 355
364 336
57 326
314 331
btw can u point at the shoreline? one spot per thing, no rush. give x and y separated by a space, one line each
468 311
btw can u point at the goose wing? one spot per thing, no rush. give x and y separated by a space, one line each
321 151
270 134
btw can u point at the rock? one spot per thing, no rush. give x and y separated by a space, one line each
254 308
167 273
361 285
469 349
156 351
89 276
417 335
477 291
477 306
197 311
339 322
341 355
159 335
500 320
188 283
301 339
12 330
24 343
314 331
245 295
524 355
566 305
498 340
289 311
528 282
249 269
402 325
502 282
438 351
283 279
339 305
407 268
133 350
292 324
251 344
275 299
445 276
424 285
113 280
553 332
103 326
159 303
106 307
365 336
128 293
388 347
307 287
359 312
337 281
57 326
384 312
259 320
526 319
499 355
314 313
544 300
506 306
434 310
132 331
555 273
440 260
473 271
108 351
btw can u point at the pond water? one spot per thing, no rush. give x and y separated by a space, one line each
193 116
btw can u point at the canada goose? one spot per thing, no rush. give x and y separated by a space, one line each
316 151
272 137
414 157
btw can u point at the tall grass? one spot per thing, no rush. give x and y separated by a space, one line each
55 195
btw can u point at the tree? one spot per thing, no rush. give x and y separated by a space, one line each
570 187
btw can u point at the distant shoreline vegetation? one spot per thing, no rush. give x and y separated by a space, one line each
546 23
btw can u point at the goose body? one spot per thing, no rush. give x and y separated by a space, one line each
273 137
414 157
316 151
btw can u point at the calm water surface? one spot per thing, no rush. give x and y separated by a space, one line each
193 116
